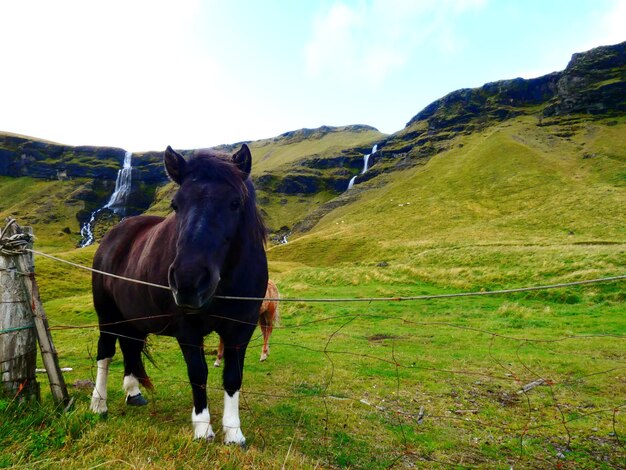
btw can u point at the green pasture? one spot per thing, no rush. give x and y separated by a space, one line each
359 385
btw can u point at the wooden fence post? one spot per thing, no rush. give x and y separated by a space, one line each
25 264
48 351
18 349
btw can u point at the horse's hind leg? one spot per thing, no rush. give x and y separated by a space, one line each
132 345
265 323
220 353
267 319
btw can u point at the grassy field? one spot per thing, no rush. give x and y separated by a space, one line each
373 385
426 384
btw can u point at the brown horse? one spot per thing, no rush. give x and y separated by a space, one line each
268 317
211 247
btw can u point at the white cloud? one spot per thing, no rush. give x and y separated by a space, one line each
608 27
368 41
614 22
112 72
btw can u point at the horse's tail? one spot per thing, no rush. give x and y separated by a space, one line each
141 374
145 381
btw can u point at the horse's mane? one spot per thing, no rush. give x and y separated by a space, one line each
218 166
215 166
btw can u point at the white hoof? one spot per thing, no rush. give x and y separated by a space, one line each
263 357
230 420
98 405
217 363
202 425
99 394
234 436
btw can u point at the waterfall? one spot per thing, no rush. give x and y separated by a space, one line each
117 202
86 232
351 183
122 186
366 159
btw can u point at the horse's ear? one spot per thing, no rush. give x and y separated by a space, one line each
243 159
174 164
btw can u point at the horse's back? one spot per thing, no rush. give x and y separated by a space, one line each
135 249
118 244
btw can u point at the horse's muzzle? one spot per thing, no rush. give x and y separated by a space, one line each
192 293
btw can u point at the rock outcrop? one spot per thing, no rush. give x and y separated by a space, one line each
592 84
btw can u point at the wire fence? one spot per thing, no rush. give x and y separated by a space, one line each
460 389
352 299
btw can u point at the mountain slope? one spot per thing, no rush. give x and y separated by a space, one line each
514 184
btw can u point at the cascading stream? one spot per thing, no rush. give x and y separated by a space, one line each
366 159
117 202
122 186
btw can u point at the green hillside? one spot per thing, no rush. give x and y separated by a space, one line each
48 206
514 188
293 147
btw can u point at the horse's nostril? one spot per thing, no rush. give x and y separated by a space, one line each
192 289
205 280
171 279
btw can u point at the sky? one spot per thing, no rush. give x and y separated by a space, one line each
142 75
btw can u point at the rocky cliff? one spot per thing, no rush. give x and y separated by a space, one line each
592 84
27 156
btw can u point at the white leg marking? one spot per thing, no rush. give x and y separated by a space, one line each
202 425
264 353
131 385
217 362
99 395
230 420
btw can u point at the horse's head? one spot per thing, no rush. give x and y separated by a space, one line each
210 204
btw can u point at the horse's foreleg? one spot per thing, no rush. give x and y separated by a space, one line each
234 355
106 350
198 371
99 395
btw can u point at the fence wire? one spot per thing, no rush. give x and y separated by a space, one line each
354 370
476 400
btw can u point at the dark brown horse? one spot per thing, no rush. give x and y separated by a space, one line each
212 246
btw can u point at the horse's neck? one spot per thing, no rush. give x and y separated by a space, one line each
160 247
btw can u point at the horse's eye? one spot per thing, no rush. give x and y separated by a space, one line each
235 204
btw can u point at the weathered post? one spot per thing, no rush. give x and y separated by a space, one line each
17 243
48 351
18 349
